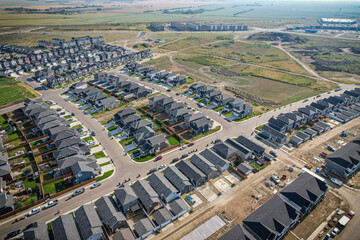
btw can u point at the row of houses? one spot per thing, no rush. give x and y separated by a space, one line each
215 99
71 154
121 86
345 162
72 69
145 138
91 97
75 41
282 212
193 26
342 108
175 112
169 79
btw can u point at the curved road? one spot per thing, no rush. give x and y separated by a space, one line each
125 167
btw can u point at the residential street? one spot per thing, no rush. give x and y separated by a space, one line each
126 168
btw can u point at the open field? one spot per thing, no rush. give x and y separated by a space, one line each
15 92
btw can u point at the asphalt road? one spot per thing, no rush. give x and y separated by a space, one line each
125 167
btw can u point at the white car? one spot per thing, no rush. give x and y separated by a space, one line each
337 181
162 166
275 179
95 185
51 204
34 211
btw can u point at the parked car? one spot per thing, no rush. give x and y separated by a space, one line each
78 192
13 234
73 114
95 185
217 140
190 200
162 166
175 160
51 204
182 147
152 170
30 225
273 153
337 181
275 179
93 134
158 158
283 177
324 175
184 155
34 211
177 94
334 232
168 90
190 144
351 214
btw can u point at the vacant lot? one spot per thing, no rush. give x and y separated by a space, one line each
15 92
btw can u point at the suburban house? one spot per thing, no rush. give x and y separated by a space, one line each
242 111
288 121
125 197
124 234
83 170
89 223
201 125
305 192
237 232
64 227
123 113
134 127
272 220
178 179
142 134
109 215
345 161
5 168
254 147
163 187
272 134
205 166
296 141
244 168
154 144
224 150
147 195
179 114
278 125
241 151
303 136
192 117
196 87
222 99
219 162
178 207
296 119
162 217
39 231
6 200
143 228
196 177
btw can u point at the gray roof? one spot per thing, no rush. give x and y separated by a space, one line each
40 232
68 162
177 178
161 185
57 130
178 205
224 149
64 228
244 168
143 226
67 152
124 234
305 190
88 221
317 128
295 139
161 216
242 151
202 122
303 135
190 170
348 155
63 135
214 158
157 139
69 142
125 194
237 232
310 132
85 166
273 131
256 148
145 193
269 220
107 211
203 164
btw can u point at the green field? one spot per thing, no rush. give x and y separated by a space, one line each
100 154
13 93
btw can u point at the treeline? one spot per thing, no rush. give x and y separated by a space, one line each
249 10
190 12
61 11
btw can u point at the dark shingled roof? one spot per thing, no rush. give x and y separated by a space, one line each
237 232
143 226
125 194
40 232
162 216
88 221
64 228
124 234
178 205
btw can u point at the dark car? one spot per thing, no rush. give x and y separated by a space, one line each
30 226
73 114
93 134
177 94
168 90
175 160
184 155
13 234
152 170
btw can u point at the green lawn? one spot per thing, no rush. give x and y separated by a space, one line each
56 186
105 175
12 93
90 138
144 158
67 116
112 128
2 119
99 154
77 126
104 164
13 136
75 100
30 183
6 80
228 114
255 165
199 100
173 140
201 135
219 109
126 141
94 146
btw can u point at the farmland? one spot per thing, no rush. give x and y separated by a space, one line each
15 92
